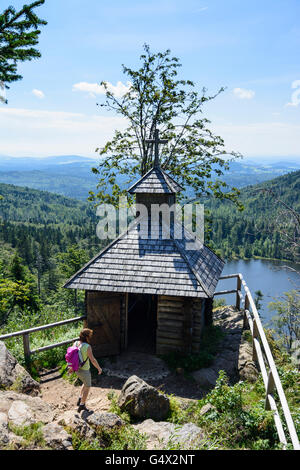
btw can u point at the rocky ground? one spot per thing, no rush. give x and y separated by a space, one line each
55 406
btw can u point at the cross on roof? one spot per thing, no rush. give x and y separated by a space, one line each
156 141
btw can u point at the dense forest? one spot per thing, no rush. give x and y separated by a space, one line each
264 228
44 238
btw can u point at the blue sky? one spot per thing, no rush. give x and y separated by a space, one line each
250 47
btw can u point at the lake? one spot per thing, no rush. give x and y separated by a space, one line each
272 278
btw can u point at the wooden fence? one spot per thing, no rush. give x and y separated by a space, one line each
263 356
26 333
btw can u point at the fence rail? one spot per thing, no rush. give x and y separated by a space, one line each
263 356
26 340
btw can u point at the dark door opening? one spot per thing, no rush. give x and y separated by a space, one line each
142 323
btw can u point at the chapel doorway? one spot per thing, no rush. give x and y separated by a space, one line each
142 323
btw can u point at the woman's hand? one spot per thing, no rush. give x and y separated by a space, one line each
99 371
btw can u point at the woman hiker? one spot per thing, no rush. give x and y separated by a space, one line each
84 372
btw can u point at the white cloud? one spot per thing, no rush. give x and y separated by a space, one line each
34 132
93 89
244 94
38 93
41 133
265 139
296 95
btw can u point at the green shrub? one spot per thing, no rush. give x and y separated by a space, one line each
224 397
32 435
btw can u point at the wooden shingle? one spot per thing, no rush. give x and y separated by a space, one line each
141 265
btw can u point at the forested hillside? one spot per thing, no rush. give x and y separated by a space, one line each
39 225
44 238
258 230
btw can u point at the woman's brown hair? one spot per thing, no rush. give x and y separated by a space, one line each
85 335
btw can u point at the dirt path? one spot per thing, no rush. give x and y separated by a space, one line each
62 395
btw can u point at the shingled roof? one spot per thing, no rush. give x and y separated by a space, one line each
135 264
155 181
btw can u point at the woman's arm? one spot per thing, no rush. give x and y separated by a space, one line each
93 360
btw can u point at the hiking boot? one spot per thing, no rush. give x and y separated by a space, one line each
82 408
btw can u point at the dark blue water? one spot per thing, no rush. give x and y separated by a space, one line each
272 278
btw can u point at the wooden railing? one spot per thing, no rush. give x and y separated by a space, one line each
263 356
26 333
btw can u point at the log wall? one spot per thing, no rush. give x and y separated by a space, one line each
180 322
199 321
170 324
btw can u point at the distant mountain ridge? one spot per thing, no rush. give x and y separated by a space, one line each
71 175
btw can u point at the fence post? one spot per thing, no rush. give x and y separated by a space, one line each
246 307
238 290
255 335
270 388
26 346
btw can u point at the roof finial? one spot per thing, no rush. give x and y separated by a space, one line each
156 141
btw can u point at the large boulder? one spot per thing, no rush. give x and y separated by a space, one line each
13 375
102 421
25 409
161 435
142 401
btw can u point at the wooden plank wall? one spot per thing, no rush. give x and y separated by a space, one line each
170 324
180 322
124 321
198 309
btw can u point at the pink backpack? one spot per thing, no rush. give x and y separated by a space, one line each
73 358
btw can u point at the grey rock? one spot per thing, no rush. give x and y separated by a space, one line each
4 431
15 441
13 375
142 400
207 408
20 414
246 367
226 363
8 438
206 377
76 423
40 410
101 421
56 437
160 435
3 419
